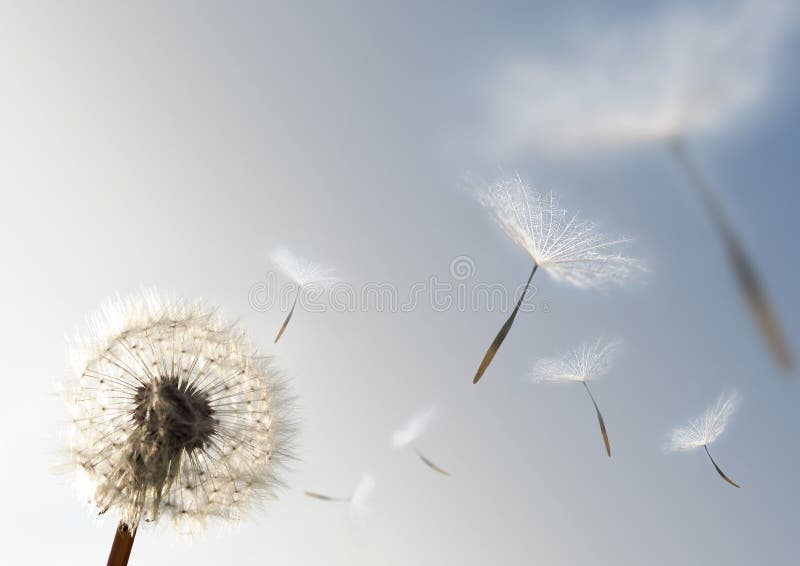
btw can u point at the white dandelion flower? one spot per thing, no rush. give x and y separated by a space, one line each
174 415
677 73
359 503
580 365
304 274
705 430
413 430
564 245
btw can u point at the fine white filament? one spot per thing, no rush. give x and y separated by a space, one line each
564 245
706 429
583 363
302 271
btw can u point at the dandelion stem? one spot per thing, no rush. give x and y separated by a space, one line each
599 419
719 471
743 268
498 341
288 317
122 545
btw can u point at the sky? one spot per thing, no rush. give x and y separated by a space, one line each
179 145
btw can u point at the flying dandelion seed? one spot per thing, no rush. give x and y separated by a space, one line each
705 430
581 365
412 430
564 245
359 502
303 273
677 73
174 415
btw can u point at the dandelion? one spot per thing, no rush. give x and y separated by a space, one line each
705 430
676 73
174 415
564 245
360 502
303 273
415 428
581 365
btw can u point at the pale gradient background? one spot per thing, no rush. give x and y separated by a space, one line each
177 143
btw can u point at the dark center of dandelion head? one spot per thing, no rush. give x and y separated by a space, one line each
173 417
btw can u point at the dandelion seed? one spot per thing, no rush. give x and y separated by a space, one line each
674 74
303 273
564 245
174 416
359 502
581 365
415 428
704 431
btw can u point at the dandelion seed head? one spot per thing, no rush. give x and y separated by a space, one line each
361 501
583 363
174 414
302 271
706 429
563 244
415 427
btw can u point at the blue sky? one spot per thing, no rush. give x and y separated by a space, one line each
178 145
